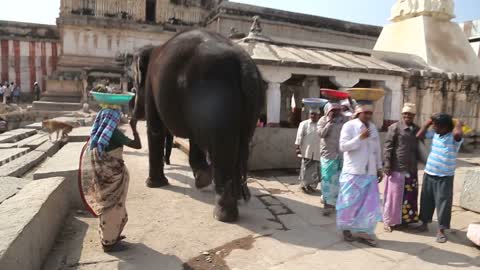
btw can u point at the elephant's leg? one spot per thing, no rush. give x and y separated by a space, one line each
224 164
201 169
226 204
156 145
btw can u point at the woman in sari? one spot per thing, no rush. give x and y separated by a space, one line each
358 204
104 177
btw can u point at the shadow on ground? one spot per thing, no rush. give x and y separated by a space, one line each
303 237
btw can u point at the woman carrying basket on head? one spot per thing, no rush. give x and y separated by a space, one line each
104 177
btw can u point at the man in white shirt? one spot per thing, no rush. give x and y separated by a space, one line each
358 205
308 148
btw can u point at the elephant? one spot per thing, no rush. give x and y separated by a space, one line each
201 86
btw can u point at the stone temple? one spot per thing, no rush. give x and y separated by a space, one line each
296 53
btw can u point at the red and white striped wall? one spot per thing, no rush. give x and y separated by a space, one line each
25 62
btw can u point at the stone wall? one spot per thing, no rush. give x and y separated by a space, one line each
28 53
97 42
294 26
452 93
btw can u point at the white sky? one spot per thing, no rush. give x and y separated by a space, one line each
375 12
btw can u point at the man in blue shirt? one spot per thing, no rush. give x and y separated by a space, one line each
437 189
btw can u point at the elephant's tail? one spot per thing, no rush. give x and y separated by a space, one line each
253 95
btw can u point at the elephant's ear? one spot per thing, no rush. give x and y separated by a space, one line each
141 62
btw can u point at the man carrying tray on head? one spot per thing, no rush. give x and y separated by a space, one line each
330 126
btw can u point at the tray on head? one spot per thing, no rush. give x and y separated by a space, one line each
314 102
114 99
334 94
367 94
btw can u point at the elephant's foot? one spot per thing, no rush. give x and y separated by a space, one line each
157 182
225 211
203 178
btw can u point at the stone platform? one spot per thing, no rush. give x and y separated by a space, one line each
64 164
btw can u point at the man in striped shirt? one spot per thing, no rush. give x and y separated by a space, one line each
437 189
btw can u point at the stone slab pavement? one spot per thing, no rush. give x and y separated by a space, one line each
279 229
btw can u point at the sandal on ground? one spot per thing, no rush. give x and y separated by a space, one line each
117 247
327 212
348 236
369 242
387 228
366 239
441 238
305 190
311 189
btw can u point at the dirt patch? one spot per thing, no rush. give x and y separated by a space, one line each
214 259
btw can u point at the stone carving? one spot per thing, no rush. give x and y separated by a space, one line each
235 34
440 9
256 26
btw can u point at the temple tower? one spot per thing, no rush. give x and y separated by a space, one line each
423 36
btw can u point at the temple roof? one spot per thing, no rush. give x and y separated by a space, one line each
265 50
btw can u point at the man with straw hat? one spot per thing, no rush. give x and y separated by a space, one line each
330 126
401 156
358 204
308 148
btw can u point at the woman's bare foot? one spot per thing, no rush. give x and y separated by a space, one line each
387 228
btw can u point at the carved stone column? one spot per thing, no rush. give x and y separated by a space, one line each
274 78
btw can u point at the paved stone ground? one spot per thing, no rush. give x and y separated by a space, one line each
280 228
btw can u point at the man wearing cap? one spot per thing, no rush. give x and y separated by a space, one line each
330 126
401 156
308 147
358 204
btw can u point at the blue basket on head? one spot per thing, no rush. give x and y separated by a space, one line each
113 99
315 102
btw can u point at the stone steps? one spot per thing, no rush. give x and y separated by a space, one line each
30 222
81 134
16 135
36 126
9 186
8 155
56 106
23 164
34 141
50 148
64 164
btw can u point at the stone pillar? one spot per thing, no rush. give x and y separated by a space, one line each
312 87
393 101
274 77
274 99
312 90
